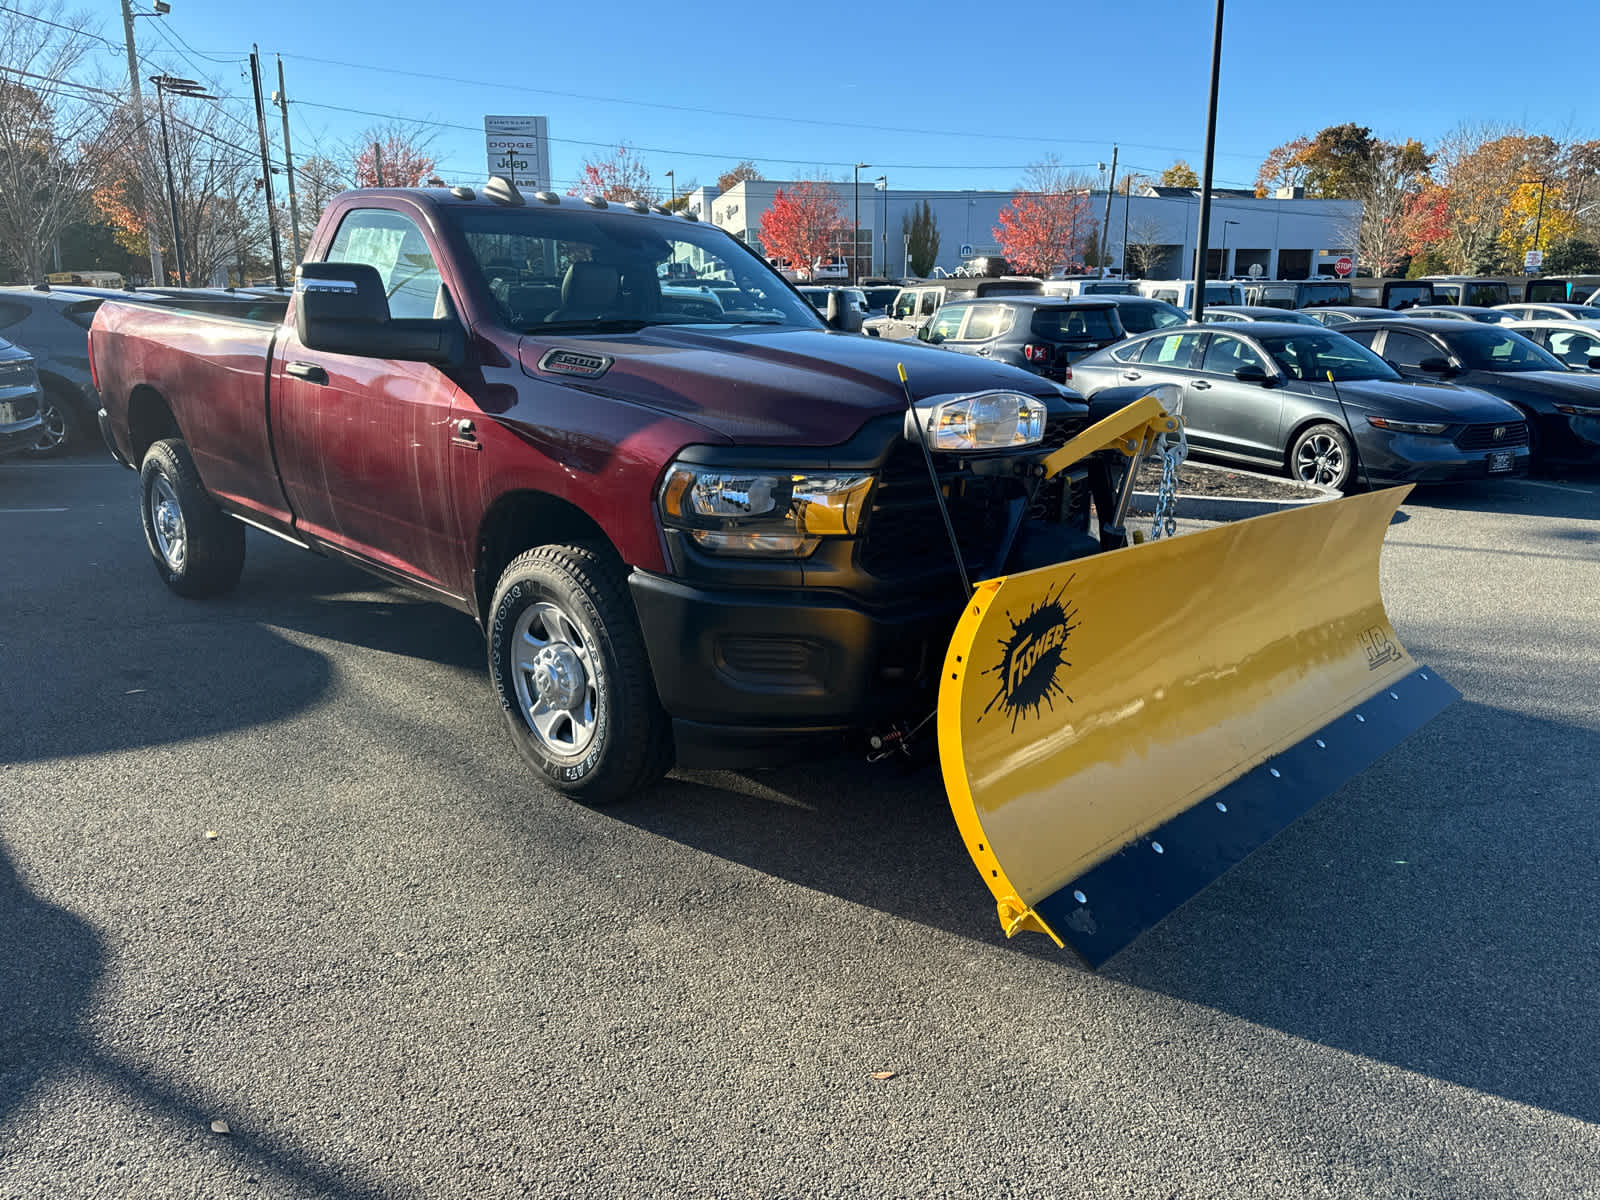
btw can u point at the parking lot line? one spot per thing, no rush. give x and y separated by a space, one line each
31 510
1559 487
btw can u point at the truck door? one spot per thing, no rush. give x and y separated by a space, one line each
364 444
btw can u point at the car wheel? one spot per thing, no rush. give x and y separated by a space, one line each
570 670
1322 456
198 549
60 427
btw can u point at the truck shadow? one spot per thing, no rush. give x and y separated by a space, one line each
51 962
1429 915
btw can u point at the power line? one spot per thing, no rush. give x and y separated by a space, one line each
714 112
115 47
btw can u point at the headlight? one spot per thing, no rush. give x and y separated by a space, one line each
1579 410
981 421
763 512
18 373
1405 426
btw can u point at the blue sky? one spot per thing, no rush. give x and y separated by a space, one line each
957 95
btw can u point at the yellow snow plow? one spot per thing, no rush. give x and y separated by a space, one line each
1117 731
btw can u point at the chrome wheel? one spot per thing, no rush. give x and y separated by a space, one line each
54 431
1320 460
553 668
166 520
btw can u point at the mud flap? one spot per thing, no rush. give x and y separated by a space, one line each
1118 731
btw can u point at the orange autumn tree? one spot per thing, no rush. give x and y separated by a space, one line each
1043 230
803 223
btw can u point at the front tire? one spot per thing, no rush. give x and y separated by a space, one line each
570 670
1323 456
198 549
61 427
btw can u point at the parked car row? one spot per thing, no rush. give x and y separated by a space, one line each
1427 394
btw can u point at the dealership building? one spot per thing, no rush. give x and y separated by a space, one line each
1277 237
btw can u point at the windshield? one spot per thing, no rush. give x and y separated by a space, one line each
1075 325
1142 318
1500 350
1584 312
602 272
1312 356
1324 293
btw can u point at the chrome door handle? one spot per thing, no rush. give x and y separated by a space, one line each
1200 385
1133 375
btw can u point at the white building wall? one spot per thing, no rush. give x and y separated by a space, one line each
1322 229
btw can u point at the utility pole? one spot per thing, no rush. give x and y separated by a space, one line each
377 164
883 181
855 244
288 164
1127 203
180 87
1105 226
158 274
1201 254
266 165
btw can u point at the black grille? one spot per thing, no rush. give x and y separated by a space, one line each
904 535
1493 437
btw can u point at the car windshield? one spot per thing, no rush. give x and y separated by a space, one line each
604 272
1143 318
1075 324
1584 312
1483 349
1312 355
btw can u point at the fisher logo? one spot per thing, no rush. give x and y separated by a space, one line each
1032 658
1379 648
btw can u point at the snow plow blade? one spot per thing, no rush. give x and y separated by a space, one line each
1118 731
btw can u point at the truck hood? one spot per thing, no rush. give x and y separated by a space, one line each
773 387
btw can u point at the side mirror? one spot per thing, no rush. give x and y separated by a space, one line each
841 314
340 308
1253 375
1435 366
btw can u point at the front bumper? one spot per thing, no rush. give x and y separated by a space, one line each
1421 458
20 436
752 677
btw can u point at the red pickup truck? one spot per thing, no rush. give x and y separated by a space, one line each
691 518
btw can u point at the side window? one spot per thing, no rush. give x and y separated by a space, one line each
905 303
1574 348
930 301
1128 351
391 243
987 321
1170 295
1357 334
1174 350
1225 355
948 323
1408 350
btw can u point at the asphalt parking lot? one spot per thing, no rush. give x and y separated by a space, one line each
401 969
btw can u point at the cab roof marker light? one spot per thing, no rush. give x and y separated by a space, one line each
547 198
638 206
595 201
502 191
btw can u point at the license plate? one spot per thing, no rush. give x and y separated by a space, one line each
1501 460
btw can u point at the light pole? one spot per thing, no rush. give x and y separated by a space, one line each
855 243
178 87
1200 253
672 187
882 184
158 274
1222 267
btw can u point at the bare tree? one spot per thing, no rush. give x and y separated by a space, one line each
54 132
1147 242
319 179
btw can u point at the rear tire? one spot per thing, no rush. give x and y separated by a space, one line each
570 670
1323 456
198 549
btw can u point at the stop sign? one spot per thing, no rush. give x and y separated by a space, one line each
1343 267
